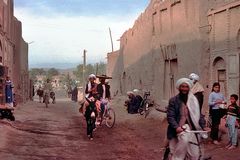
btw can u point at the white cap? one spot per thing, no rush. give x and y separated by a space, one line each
194 76
92 76
135 91
129 93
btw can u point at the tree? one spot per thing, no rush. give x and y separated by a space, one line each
67 80
52 72
101 68
90 69
34 72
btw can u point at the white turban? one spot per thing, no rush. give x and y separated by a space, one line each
136 91
130 92
92 76
194 76
184 80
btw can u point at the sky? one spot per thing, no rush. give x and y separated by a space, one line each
59 30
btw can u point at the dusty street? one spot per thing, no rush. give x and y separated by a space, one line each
58 133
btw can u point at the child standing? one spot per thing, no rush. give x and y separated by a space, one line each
232 123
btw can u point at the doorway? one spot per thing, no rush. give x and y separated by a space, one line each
170 72
219 74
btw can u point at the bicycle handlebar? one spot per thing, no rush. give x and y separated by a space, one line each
192 131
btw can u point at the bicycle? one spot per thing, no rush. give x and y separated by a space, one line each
145 105
203 135
108 117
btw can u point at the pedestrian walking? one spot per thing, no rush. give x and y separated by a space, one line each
40 94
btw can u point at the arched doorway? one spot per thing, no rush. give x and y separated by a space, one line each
219 74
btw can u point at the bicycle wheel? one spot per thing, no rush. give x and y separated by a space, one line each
141 109
110 118
146 109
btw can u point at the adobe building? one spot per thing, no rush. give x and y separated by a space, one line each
112 69
174 38
13 51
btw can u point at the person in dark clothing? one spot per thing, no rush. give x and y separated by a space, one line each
103 91
232 121
197 89
139 99
216 101
90 115
89 105
40 94
131 103
9 92
75 94
184 113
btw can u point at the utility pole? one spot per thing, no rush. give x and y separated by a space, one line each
97 69
84 64
111 38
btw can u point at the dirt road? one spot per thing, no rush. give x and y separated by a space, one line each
59 133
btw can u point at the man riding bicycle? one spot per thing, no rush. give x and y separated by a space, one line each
183 114
104 95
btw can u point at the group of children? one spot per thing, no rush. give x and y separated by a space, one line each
231 115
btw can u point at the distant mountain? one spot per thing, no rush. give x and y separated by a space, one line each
54 65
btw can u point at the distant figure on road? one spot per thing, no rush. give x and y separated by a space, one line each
9 92
47 89
75 94
40 93
69 92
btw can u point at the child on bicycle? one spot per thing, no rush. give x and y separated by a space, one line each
232 121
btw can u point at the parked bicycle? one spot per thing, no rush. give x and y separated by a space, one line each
145 105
